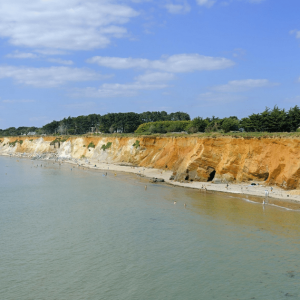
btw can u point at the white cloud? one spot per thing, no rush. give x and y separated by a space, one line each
18 54
116 90
48 77
296 33
50 52
61 61
40 118
23 55
67 25
244 85
182 8
83 105
179 63
255 1
207 3
17 101
155 77
294 99
211 99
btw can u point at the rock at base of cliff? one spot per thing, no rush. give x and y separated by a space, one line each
154 179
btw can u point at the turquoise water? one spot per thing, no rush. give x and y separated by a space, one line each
75 234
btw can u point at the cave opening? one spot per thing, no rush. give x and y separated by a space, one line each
212 175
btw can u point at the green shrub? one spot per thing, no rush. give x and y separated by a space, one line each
13 144
230 124
82 156
57 140
31 140
136 144
91 145
64 139
84 146
163 127
107 146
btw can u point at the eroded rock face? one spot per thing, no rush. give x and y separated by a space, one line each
274 161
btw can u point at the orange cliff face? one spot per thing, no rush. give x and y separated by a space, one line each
273 161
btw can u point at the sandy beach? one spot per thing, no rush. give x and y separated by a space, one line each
233 188
240 189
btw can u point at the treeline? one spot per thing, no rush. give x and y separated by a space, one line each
196 125
11 131
108 123
270 120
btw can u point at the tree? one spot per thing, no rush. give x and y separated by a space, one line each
230 124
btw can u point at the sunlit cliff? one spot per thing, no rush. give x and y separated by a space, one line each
274 161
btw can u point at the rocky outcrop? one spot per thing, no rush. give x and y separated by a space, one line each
274 161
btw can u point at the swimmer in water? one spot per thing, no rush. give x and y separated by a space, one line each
175 202
145 188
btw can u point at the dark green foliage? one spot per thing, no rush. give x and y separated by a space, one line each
163 127
136 144
13 144
107 146
276 120
91 145
64 139
230 124
57 140
197 125
109 123
12 131
270 120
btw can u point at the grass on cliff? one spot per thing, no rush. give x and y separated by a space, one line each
136 144
107 146
198 134
91 145
247 135
13 144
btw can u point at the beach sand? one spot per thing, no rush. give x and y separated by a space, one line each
233 188
239 189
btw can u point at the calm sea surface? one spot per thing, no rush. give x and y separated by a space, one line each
75 234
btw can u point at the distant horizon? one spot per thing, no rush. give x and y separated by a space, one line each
203 57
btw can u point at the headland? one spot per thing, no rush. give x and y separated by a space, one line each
224 164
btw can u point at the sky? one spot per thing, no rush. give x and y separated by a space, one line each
205 57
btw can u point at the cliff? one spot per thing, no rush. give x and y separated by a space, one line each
274 161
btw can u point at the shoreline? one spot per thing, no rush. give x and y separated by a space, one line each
238 189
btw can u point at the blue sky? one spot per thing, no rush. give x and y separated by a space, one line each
204 57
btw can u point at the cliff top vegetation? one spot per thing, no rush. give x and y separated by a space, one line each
267 123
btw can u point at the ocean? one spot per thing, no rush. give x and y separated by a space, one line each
68 233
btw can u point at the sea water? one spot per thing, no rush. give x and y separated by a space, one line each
69 233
